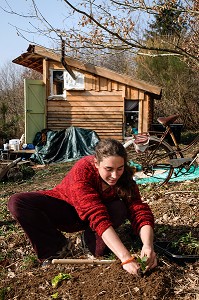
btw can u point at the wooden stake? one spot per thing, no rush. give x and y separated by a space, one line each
82 261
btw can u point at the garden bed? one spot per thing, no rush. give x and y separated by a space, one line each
176 212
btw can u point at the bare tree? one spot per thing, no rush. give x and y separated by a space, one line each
11 96
179 88
112 29
12 99
178 80
119 25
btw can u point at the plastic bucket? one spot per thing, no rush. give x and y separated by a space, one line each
14 144
6 146
16 147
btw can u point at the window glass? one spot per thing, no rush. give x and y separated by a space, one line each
58 82
131 117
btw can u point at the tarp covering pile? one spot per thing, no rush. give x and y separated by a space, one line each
65 145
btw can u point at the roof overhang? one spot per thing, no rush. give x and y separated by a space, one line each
35 55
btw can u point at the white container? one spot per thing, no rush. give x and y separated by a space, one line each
16 147
14 144
6 146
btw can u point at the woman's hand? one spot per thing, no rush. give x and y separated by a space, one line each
112 240
151 255
146 234
132 268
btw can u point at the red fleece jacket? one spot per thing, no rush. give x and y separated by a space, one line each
82 188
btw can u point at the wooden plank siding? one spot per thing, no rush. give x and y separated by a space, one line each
100 106
96 109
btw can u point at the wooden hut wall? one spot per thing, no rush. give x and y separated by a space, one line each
151 111
143 116
143 124
99 107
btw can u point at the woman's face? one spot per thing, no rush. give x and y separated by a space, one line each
110 169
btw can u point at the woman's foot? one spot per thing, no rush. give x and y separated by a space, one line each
66 250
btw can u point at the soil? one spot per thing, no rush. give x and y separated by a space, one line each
175 207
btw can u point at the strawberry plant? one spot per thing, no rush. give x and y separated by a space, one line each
55 295
187 244
59 278
142 262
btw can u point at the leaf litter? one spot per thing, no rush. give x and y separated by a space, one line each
176 212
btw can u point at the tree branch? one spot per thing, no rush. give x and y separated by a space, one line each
138 45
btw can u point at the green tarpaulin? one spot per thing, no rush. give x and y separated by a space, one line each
65 145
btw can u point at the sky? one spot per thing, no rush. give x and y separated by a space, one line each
56 12
13 45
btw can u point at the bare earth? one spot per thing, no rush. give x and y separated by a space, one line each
176 211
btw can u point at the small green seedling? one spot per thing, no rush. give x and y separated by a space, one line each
187 244
29 261
55 295
59 278
142 262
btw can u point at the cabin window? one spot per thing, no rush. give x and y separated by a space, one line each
61 81
74 84
131 117
58 82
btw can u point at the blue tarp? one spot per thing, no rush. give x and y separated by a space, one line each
181 176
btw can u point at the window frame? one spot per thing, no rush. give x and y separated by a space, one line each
68 83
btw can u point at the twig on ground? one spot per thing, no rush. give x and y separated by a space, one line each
172 192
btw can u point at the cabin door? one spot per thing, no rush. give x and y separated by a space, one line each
35 112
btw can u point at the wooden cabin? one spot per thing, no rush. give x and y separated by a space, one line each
83 95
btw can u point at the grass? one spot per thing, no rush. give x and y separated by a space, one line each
29 261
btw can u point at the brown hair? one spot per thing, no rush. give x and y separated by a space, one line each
111 147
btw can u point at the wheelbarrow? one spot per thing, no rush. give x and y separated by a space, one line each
10 170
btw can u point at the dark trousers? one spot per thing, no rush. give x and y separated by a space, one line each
44 218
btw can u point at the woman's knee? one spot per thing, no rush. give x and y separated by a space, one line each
14 203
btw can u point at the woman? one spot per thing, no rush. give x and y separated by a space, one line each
97 195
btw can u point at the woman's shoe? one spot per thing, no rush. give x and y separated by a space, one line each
66 250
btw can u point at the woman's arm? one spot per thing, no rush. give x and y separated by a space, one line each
114 243
140 212
146 235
